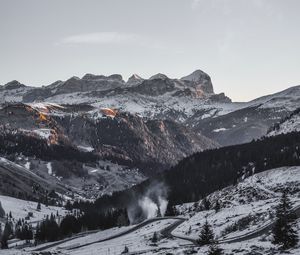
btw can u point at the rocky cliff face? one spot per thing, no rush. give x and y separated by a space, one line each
119 136
196 85
200 81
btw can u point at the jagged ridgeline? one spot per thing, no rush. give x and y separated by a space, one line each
205 172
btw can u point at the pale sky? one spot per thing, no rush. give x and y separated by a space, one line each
249 47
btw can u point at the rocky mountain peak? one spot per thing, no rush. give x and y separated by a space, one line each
134 80
93 77
201 80
13 85
196 76
159 76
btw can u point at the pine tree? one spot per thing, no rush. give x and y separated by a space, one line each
171 210
214 249
154 238
158 212
38 235
206 235
38 208
206 204
283 231
68 205
5 236
0 235
217 206
122 219
126 250
2 212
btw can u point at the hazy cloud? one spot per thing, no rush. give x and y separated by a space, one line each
102 38
120 39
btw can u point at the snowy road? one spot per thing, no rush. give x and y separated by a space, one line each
131 230
166 232
258 232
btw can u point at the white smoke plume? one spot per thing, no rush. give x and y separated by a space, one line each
153 203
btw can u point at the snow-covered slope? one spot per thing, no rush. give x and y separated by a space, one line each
288 124
245 207
20 208
13 95
288 99
138 241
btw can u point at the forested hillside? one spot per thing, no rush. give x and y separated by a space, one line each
205 172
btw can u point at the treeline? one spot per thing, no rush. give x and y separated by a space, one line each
202 173
53 229
21 230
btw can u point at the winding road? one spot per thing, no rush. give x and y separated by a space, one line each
167 232
131 230
257 232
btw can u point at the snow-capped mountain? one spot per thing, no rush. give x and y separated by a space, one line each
243 122
196 85
189 100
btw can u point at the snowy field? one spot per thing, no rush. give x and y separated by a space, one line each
20 209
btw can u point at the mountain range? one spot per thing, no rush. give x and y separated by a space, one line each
190 101
137 128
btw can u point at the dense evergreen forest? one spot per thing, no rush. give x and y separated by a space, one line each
204 172
49 230
13 142
208 171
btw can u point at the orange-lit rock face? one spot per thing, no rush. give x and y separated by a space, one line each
109 112
42 117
